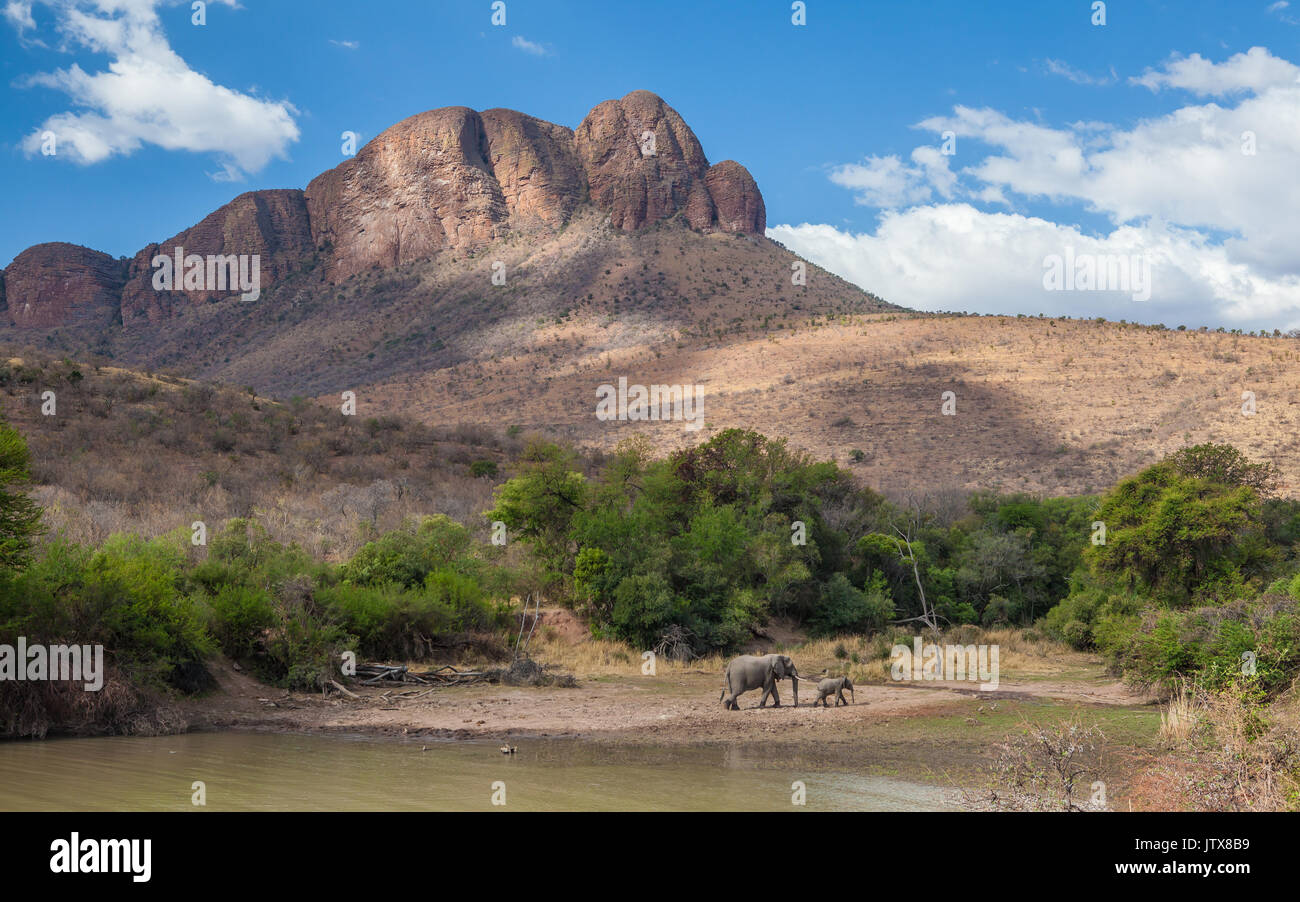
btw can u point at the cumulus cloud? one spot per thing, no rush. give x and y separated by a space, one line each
148 94
1255 70
1199 190
956 257
889 182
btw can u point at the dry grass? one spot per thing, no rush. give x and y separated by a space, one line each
1229 752
134 452
864 659
1180 717
1048 406
595 658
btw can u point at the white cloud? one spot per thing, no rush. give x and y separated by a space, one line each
149 95
350 45
882 182
19 15
1279 9
1177 186
522 43
1254 71
1079 77
955 257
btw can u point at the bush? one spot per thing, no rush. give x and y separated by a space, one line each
1077 634
389 623
846 609
407 556
486 468
1170 646
124 596
238 618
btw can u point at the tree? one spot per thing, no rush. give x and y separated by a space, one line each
1226 465
845 608
1178 535
540 503
910 552
20 517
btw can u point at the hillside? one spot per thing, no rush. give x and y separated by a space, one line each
468 268
1045 406
1050 406
149 453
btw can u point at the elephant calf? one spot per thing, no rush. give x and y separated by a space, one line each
834 686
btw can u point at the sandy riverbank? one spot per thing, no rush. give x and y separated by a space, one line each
679 707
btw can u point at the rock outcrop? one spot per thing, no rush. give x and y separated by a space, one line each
420 187
643 163
537 166
60 284
736 198
272 225
449 179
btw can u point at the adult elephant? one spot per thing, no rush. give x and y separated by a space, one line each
759 672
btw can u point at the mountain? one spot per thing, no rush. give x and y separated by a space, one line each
451 235
493 269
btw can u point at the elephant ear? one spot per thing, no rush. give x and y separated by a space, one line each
778 668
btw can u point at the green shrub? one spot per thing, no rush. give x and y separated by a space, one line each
124 596
239 617
486 468
846 609
407 556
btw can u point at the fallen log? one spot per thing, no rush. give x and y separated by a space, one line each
346 692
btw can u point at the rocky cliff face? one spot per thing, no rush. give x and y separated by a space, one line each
736 198
537 166
643 163
272 225
449 179
420 187
454 179
61 284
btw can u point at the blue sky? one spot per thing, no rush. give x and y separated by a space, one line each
837 120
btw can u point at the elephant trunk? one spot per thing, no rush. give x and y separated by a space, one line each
794 682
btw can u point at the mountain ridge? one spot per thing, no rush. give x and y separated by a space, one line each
445 179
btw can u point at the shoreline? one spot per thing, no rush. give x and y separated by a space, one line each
939 732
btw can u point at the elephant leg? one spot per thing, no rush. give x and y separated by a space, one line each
776 696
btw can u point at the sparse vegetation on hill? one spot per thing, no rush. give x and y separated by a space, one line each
147 454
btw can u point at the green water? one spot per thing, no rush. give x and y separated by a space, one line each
292 772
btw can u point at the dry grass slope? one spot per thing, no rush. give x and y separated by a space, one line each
150 454
1051 406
